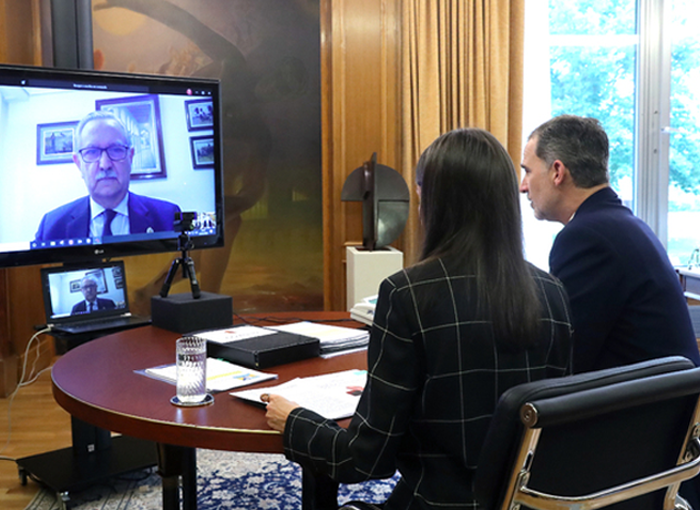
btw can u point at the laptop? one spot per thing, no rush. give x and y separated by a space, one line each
87 299
695 317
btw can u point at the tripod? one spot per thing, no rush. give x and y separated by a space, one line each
184 245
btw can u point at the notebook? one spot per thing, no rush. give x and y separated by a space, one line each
88 298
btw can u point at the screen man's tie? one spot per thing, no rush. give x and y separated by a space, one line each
109 216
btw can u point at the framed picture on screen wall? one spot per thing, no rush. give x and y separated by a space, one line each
202 148
200 114
54 142
141 117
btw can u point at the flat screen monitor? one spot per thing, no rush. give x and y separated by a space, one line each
117 184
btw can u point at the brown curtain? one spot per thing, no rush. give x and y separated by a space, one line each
461 66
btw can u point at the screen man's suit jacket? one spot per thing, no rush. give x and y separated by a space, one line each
72 220
626 298
102 304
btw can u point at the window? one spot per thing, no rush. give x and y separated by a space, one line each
632 64
684 132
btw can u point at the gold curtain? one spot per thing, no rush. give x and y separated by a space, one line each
462 66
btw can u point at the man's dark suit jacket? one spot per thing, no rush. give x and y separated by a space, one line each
102 304
626 298
72 220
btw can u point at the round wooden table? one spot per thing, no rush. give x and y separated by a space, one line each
98 382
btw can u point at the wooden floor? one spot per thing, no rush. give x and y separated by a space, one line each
38 425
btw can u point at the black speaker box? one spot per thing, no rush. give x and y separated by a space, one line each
184 314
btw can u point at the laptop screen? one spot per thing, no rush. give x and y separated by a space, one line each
78 293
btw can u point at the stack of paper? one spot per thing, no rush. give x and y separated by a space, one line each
332 338
333 396
221 375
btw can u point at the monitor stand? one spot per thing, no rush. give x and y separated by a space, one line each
94 457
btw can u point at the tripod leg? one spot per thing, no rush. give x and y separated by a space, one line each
169 279
194 284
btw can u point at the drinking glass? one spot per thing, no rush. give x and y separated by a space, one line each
191 370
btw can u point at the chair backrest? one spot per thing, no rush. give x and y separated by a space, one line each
554 443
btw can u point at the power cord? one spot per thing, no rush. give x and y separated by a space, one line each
22 383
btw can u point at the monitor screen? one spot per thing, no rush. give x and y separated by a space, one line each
65 290
96 165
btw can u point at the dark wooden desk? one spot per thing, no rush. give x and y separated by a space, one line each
97 383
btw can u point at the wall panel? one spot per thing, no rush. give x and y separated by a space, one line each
20 288
361 97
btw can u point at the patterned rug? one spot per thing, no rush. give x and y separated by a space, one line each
225 481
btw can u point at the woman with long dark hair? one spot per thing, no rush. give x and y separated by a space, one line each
471 319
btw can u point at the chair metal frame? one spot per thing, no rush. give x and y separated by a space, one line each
534 420
520 494
568 415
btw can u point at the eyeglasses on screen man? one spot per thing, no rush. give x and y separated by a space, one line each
114 152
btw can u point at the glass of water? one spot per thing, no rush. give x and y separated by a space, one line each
191 353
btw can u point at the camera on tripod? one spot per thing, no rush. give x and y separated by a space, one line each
185 221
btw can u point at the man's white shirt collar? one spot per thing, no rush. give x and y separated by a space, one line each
120 223
122 208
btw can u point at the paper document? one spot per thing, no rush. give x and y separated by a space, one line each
333 396
332 338
221 375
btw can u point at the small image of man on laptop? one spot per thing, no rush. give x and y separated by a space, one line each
91 303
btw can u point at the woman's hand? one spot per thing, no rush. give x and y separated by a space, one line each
278 409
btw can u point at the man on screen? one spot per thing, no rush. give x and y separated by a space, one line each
103 153
91 303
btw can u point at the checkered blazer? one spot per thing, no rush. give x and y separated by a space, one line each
435 375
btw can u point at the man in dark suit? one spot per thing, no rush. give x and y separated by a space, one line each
626 299
103 154
91 303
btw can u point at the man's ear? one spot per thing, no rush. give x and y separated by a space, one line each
560 173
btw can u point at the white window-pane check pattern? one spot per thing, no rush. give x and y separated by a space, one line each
435 375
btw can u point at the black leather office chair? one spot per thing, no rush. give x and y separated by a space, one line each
624 437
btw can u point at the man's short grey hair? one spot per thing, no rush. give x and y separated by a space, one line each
580 143
87 279
96 115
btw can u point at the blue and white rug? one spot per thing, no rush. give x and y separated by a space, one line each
225 481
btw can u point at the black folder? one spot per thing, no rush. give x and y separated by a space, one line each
265 351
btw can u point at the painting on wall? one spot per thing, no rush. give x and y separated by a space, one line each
267 55
54 142
202 148
200 114
141 116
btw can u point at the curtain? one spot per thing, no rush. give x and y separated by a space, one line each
461 66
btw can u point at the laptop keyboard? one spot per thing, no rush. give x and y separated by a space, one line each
100 324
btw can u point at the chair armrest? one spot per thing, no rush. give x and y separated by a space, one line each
543 501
